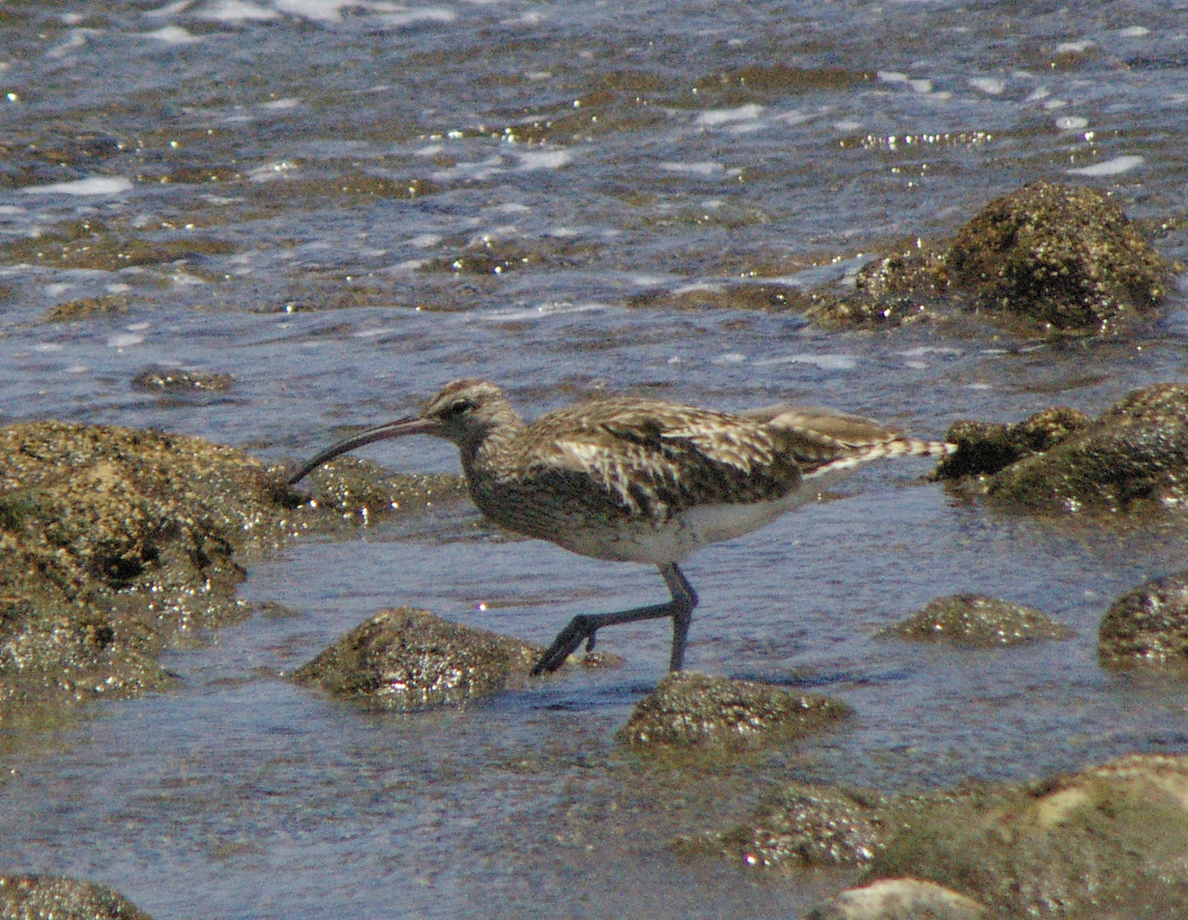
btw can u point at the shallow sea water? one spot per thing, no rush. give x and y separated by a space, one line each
566 160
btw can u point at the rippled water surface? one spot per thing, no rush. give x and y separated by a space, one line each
346 204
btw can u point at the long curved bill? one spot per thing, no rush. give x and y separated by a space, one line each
396 429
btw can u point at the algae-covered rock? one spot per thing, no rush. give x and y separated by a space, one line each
899 899
1064 258
1134 454
359 490
984 448
47 897
1108 842
1132 458
405 659
1147 626
1048 258
802 827
112 540
689 710
974 621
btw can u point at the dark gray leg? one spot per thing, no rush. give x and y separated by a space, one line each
584 627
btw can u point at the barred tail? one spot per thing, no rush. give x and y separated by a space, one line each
868 453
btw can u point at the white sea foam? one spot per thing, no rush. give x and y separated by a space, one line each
705 170
76 38
1071 122
1134 32
1114 167
545 159
125 340
95 185
172 35
1074 47
477 172
281 104
730 357
839 362
993 86
715 117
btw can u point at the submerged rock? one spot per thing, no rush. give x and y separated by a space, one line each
1134 457
1047 258
975 621
405 659
1104 843
802 827
690 710
1147 626
47 897
899 899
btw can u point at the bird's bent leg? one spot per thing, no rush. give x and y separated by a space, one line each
684 599
583 627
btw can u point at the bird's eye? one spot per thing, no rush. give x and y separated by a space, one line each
458 408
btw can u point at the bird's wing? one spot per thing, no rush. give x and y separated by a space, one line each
657 459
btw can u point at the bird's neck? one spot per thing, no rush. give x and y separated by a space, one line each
486 447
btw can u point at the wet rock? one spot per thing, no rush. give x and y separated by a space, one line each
173 380
91 244
405 659
899 289
984 448
899 899
689 710
103 305
1063 258
777 298
359 490
1049 258
1147 626
802 827
113 539
47 897
1133 457
1104 843
974 621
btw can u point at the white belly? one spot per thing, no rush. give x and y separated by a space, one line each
676 538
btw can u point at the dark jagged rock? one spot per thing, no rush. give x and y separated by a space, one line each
1134 454
984 448
974 621
690 710
405 659
1132 458
1147 626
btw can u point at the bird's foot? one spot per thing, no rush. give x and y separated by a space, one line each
580 629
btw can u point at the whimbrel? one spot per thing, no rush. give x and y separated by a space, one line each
639 480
